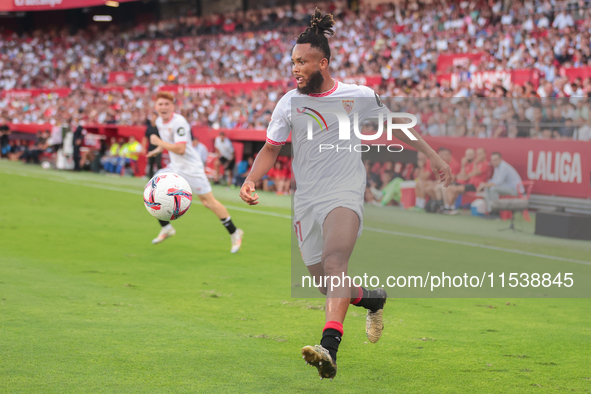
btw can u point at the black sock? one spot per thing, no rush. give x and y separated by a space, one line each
369 300
331 340
227 222
163 223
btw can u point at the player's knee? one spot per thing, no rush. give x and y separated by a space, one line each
322 290
335 263
207 204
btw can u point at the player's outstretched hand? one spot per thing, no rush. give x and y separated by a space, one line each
246 193
441 170
154 152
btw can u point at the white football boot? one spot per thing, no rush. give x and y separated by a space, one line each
166 232
236 240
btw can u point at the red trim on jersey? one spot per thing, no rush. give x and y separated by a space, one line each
359 296
181 142
335 325
331 91
169 120
270 141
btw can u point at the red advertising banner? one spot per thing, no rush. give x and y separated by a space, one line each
44 5
206 88
559 168
24 93
370 80
445 63
120 77
573 73
120 89
486 79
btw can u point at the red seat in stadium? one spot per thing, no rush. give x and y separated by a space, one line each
468 197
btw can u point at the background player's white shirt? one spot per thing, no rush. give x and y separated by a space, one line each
176 131
328 175
202 150
224 147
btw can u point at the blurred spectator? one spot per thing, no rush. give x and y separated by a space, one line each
95 160
201 149
505 181
478 174
389 192
153 160
17 149
438 191
224 156
129 155
111 160
32 153
4 141
78 141
466 167
242 170
278 179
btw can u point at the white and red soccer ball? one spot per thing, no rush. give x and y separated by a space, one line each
167 196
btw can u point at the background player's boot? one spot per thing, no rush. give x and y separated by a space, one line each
374 322
318 357
236 240
166 232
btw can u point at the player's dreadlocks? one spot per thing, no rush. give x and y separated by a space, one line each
316 34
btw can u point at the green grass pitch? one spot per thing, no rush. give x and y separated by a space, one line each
88 305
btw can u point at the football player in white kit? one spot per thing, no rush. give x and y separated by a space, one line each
175 137
328 203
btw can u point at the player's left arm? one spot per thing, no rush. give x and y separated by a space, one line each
440 168
178 148
181 137
155 152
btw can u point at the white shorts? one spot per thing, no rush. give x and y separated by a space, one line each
199 183
308 224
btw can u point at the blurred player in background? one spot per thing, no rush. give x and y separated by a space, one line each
224 156
328 219
175 136
201 149
155 160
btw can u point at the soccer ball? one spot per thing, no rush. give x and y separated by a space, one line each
167 196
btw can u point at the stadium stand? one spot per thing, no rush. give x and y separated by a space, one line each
449 50
228 71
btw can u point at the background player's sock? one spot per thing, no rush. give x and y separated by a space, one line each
163 223
227 222
367 300
331 338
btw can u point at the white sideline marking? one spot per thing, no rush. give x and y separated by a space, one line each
464 243
376 230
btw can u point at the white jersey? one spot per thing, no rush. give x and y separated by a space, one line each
178 131
327 175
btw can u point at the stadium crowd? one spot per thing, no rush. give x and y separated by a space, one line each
395 41
491 117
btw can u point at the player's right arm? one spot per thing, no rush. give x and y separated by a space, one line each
277 133
262 164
